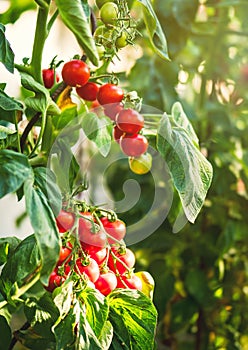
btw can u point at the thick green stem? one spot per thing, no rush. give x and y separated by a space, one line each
39 42
18 135
47 139
22 290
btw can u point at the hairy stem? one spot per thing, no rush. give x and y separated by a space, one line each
39 42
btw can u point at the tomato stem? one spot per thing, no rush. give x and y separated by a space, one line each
43 124
21 290
39 42
120 261
18 135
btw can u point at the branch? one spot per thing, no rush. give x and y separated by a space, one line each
28 128
14 339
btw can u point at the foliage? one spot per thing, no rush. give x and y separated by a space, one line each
64 307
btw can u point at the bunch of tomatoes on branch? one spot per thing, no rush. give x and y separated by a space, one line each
93 251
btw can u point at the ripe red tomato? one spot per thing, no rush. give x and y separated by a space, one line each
133 145
96 253
65 221
88 267
117 133
111 110
134 282
110 93
130 121
126 256
116 229
88 233
48 77
88 91
65 253
57 278
75 72
106 282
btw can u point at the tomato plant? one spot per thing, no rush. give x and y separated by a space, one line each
73 279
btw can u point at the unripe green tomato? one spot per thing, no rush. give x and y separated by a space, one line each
100 50
99 32
109 13
141 165
100 3
103 36
121 41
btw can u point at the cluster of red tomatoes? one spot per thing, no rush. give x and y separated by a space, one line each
109 97
93 252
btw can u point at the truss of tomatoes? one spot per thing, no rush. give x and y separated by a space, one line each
128 122
93 252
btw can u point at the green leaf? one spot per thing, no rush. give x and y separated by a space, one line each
62 297
74 17
7 246
106 335
190 170
74 331
6 53
154 29
65 118
44 225
8 137
96 309
41 101
23 263
134 319
65 166
98 130
6 334
41 314
39 311
8 107
45 179
14 169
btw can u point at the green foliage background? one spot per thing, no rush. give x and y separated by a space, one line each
201 272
